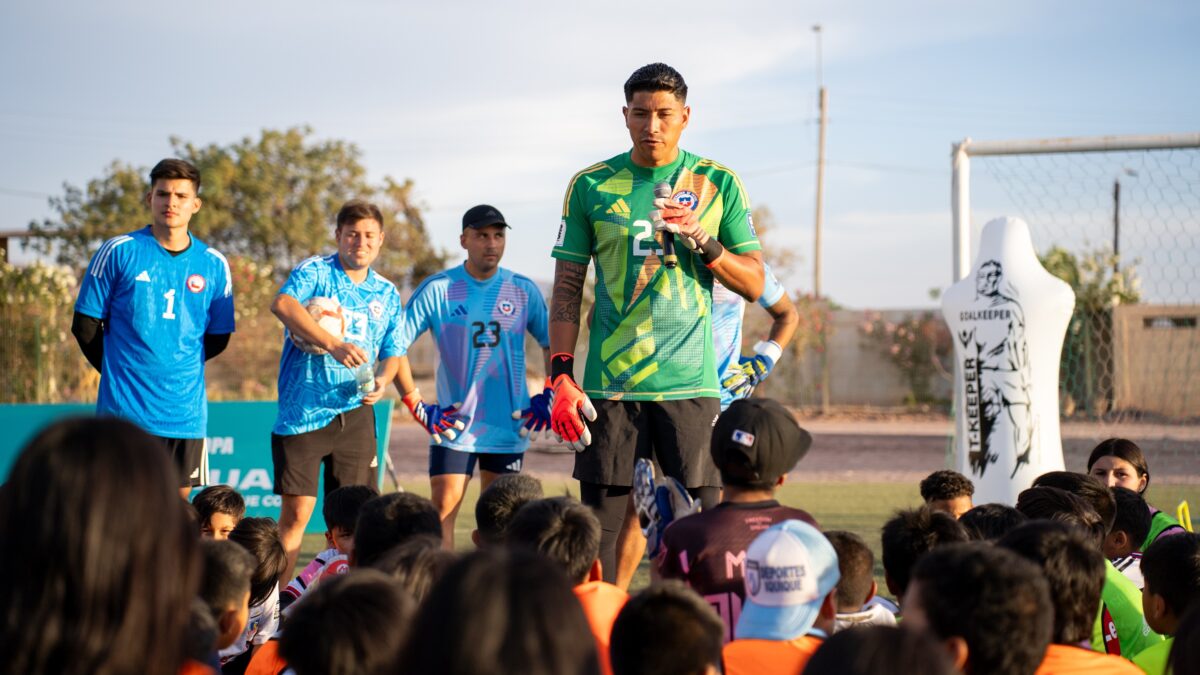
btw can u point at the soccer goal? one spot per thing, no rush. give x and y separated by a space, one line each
1118 218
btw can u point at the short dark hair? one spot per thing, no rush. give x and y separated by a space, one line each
1074 571
994 599
175 169
563 530
342 505
500 502
260 536
1133 515
390 519
1085 486
1122 448
356 210
989 522
1051 503
226 576
501 611
666 629
1185 651
417 564
946 484
656 77
880 650
911 534
218 499
857 566
1171 568
355 623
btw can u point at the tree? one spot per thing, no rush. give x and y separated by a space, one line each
270 199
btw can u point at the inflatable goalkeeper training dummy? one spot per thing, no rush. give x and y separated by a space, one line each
1007 318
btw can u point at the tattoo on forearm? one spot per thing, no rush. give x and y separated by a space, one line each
568 291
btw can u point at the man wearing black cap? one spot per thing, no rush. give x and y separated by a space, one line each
477 313
755 443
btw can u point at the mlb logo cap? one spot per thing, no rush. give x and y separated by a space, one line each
790 568
757 440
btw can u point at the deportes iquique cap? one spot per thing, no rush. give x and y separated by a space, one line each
482 216
790 569
757 440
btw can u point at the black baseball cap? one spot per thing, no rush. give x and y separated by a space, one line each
756 440
482 216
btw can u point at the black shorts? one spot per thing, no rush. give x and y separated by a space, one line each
443 460
674 433
191 459
345 446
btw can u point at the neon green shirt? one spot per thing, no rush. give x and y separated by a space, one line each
651 332
1160 522
1153 661
1121 602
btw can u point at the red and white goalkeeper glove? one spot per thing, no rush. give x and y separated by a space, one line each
571 406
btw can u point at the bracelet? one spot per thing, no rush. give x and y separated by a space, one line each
562 363
710 250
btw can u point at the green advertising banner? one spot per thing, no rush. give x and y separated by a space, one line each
239 446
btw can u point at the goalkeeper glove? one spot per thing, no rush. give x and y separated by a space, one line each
537 416
658 504
568 411
753 370
438 421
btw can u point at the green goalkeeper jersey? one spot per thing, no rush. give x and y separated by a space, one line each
651 332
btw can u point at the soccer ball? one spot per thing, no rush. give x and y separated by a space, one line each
327 312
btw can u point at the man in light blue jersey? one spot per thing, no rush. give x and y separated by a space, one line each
325 412
154 305
478 314
738 374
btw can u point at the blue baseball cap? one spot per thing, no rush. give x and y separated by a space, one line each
790 569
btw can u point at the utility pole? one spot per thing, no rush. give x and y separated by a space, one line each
823 102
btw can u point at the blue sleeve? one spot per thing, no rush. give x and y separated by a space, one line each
390 346
99 280
301 284
220 310
772 289
538 324
421 306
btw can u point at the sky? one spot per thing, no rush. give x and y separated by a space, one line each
501 103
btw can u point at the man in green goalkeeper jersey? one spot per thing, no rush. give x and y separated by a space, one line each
650 382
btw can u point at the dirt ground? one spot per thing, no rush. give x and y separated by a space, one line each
871 448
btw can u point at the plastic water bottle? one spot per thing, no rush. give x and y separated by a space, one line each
365 375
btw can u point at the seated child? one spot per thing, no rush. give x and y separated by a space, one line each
498 503
989 522
225 588
219 508
260 537
1122 546
948 491
340 511
1171 568
857 585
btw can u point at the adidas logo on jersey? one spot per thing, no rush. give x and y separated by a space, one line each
619 208
460 310
144 276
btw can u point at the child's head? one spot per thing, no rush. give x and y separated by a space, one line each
880 650
225 587
666 629
499 503
417 564
911 534
1051 503
219 508
341 509
989 522
563 530
1074 570
352 624
392 519
857 566
948 491
755 443
1088 488
1131 526
1171 570
1119 462
260 536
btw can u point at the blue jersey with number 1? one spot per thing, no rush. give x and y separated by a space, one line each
480 330
314 389
728 309
157 308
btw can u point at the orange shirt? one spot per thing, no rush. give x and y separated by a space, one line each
191 667
765 657
601 603
1067 660
267 661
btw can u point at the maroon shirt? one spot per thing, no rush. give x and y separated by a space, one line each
708 551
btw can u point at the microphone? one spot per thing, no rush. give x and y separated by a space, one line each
662 190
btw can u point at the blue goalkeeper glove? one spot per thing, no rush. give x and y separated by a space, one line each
438 421
753 370
537 416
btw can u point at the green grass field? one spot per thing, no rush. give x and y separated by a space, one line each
861 508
